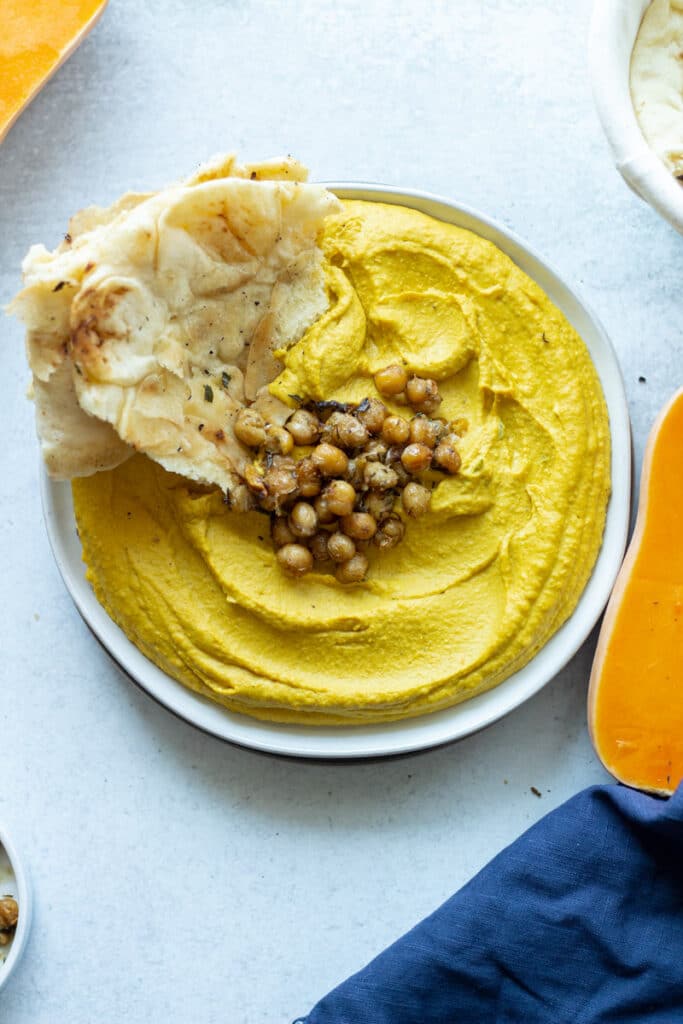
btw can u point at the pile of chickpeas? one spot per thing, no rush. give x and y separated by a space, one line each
327 506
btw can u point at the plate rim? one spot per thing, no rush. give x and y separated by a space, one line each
378 740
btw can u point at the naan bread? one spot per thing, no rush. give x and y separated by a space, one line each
156 320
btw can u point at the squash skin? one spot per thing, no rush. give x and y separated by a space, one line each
37 37
635 698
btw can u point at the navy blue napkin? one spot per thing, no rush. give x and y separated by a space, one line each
580 920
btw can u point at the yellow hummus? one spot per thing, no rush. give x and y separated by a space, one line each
478 585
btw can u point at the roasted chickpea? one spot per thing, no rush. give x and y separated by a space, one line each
416 390
271 503
280 532
452 438
447 457
379 477
282 462
280 481
253 478
278 440
280 487
354 472
424 431
416 499
330 460
340 496
391 380
359 525
442 428
390 533
379 503
303 520
328 432
318 546
308 478
416 458
354 570
304 426
322 508
295 559
250 428
375 450
340 547
430 405
395 430
350 432
423 394
372 414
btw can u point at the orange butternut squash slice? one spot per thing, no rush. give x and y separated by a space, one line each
36 37
635 701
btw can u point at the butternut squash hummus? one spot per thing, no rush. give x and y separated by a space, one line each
479 583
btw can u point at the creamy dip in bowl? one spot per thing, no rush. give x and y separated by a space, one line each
371 737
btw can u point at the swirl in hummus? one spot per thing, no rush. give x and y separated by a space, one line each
478 585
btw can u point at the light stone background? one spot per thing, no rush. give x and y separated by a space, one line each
178 879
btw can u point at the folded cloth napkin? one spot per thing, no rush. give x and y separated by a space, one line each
580 920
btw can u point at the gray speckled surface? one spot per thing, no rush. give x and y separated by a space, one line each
177 879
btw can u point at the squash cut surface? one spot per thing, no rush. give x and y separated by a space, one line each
36 37
635 709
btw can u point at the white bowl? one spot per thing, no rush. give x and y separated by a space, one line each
14 882
442 726
613 32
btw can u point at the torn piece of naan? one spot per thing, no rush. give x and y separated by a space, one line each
156 320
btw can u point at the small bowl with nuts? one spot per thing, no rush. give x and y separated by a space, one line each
15 908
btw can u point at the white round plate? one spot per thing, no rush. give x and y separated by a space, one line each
14 882
431 730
